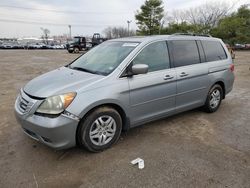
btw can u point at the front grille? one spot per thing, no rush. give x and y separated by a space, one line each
24 105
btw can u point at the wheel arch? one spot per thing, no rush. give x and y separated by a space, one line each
118 108
222 84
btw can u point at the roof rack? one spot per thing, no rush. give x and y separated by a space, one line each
193 34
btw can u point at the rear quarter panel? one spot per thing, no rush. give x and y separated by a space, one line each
220 71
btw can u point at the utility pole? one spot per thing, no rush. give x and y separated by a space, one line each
70 31
161 26
152 14
128 26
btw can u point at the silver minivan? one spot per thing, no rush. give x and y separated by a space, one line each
123 83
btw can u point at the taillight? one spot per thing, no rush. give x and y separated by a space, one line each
232 67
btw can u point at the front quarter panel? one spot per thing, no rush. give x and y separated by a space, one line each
110 92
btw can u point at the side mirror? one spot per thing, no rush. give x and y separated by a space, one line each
140 69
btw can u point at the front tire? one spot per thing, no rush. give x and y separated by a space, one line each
214 99
100 129
76 50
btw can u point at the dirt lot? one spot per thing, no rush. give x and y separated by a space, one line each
192 149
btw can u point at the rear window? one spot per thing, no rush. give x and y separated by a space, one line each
185 52
213 50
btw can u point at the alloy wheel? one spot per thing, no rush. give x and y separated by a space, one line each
215 98
102 130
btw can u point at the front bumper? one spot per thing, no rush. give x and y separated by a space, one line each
56 132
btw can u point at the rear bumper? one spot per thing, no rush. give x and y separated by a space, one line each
58 132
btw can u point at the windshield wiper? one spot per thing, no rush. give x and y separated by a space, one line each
87 70
83 69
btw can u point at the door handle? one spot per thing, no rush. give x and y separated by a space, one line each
168 77
183 74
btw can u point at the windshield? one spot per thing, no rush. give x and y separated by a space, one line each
76 39
104 58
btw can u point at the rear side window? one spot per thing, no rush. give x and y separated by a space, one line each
154 55
213 50
185 52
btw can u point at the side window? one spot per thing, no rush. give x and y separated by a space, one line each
213 50
154 55
185 52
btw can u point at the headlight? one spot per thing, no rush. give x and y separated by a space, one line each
56 104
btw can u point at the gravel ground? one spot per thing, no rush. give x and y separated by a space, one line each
192 149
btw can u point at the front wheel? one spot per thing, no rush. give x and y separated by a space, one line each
100 129
214 98
76 50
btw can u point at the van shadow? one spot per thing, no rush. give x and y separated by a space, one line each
126 136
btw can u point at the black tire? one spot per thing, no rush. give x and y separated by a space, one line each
76 50
70 51
208 107
85 126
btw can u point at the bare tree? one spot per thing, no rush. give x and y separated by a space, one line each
45 35
206 15
108 32
117 32
177 16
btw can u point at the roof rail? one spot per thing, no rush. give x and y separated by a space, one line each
193 34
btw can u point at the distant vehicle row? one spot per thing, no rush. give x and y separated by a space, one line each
241 47
30 46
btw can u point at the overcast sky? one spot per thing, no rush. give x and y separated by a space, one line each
85 16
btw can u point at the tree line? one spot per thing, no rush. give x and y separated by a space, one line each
215 18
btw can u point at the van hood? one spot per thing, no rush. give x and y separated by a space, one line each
60 81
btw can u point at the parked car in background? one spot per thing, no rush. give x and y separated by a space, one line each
121 84
17 46
58 46
32 46
11 45
247 46
239 46
7 46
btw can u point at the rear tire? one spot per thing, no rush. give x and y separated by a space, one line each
100 129
214 98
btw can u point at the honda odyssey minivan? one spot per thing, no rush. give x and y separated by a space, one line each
123 83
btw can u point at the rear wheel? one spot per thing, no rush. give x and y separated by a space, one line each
214 99
100 129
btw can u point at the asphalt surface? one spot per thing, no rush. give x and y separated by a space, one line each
192 149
